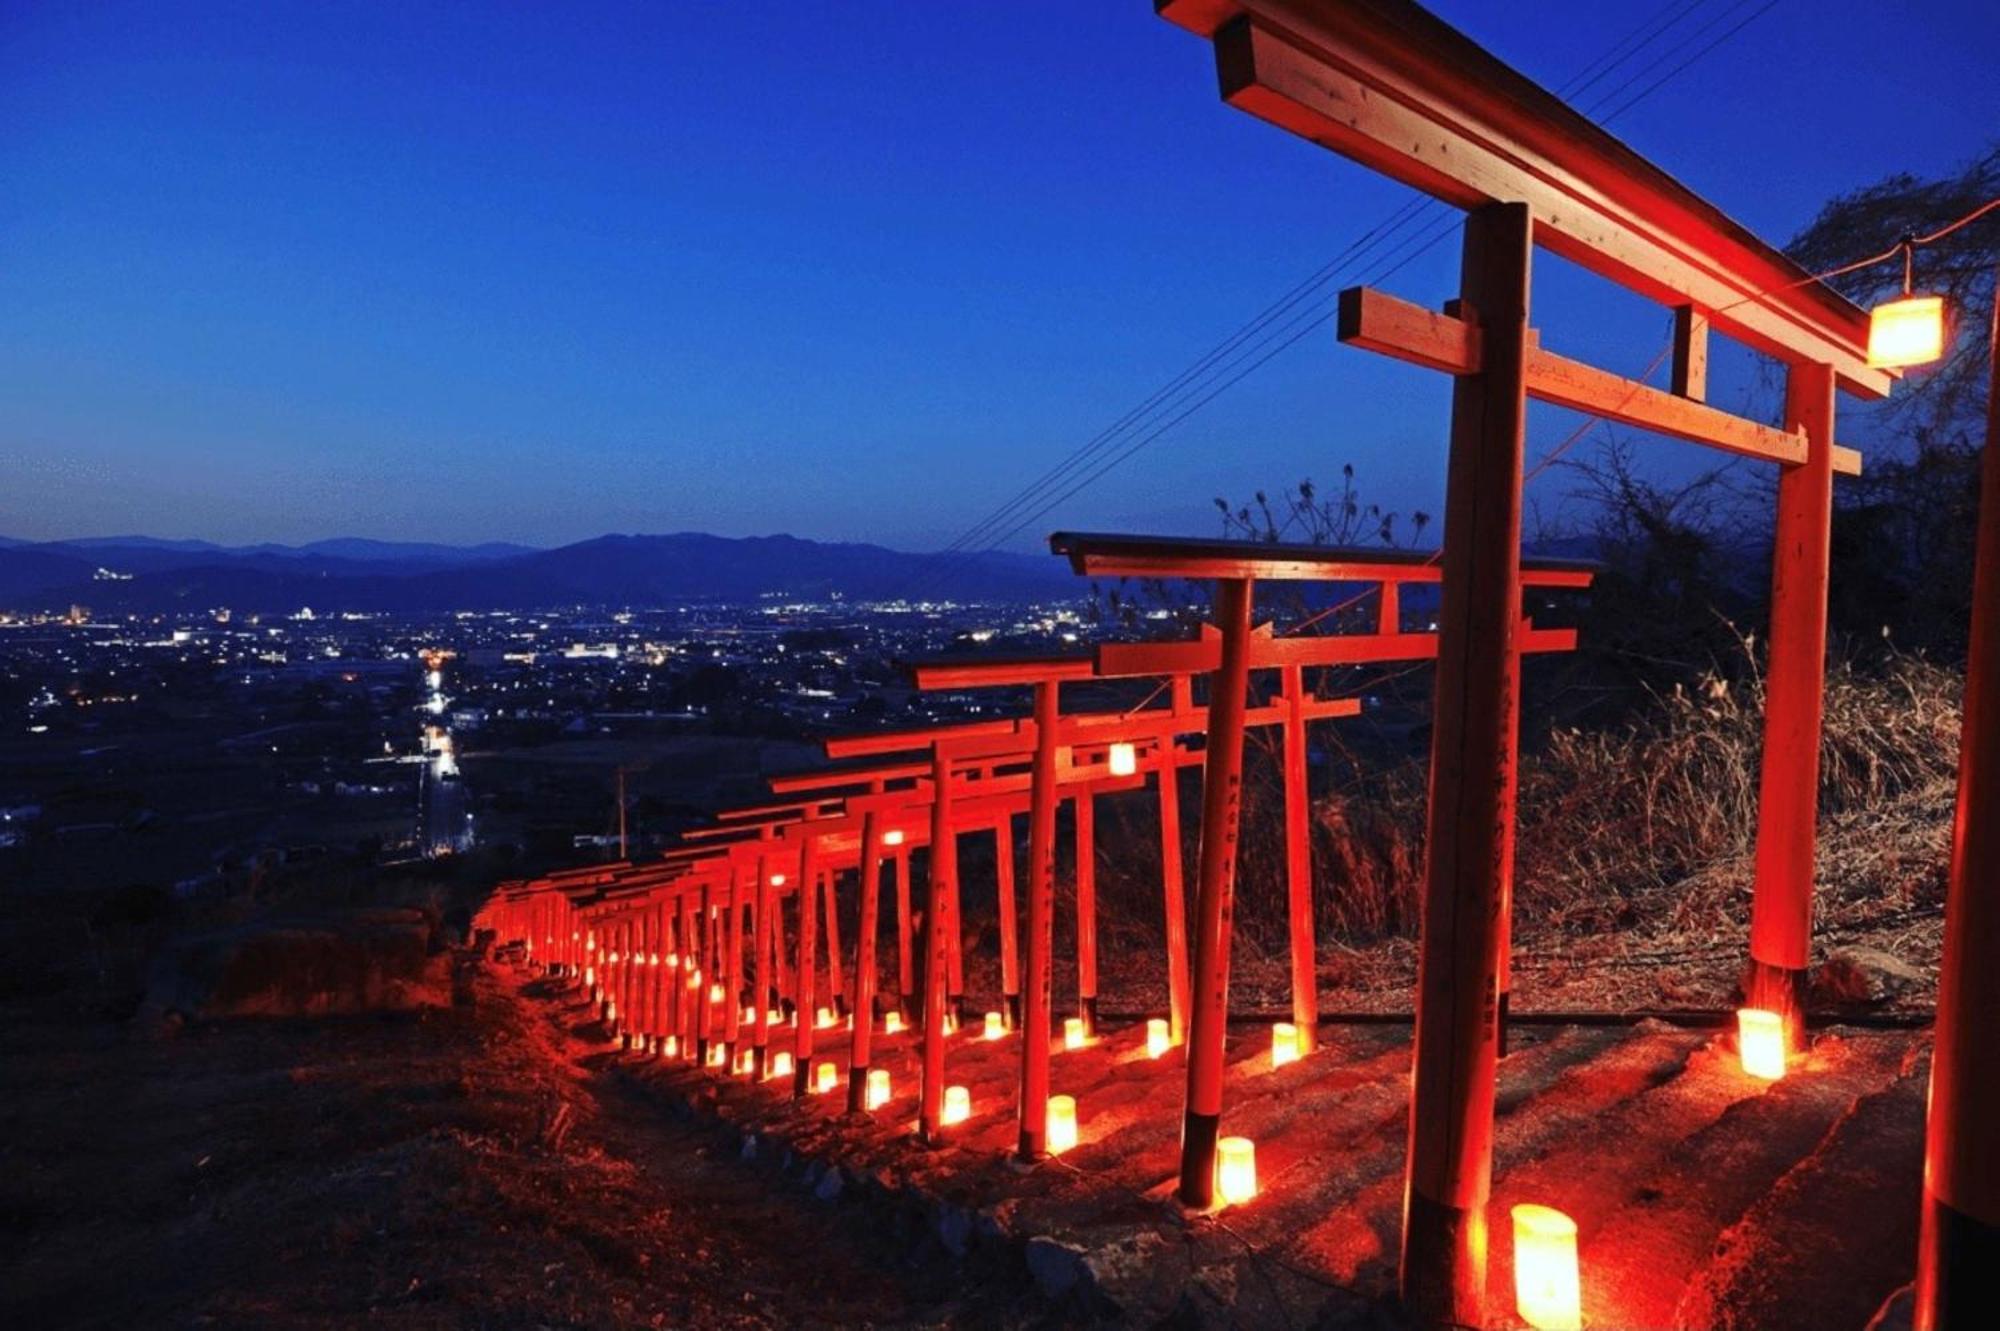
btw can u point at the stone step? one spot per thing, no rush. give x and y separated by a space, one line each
1359 1240
1849 1208
1644 1233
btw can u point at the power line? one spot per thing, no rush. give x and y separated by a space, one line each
1256 342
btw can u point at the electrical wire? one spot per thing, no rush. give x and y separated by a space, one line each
1226 357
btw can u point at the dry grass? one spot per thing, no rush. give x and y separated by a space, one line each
1636 843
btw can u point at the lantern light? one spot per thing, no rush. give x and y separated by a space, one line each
749 1017
673 1046
1062 1123
611 1013
1906 331
995 1026
1123 759
1072 1032
892 1024
715 993
674 960
1235 1170
1284 1043
825 1078
823 1018
893 837
1158 1039
1760 1042
1546 1290
957 1104
717 1056
590 977
781 1063
744 1062
878 1087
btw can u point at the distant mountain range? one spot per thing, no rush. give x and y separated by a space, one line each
120 574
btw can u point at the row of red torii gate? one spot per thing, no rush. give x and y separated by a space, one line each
717 946
704 951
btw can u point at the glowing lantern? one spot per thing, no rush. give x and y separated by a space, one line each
1906 331
823 1018
717 1056
893 1023
674 960
1284 1043
590 977
673 1046
781 1064
1760 1041
995 1027
1158 1039
1072 1032
611 958
777 880
1235 1170
715 993
611 1014
878 1087
1062 1123
825 1078
1546 1291
743 1061
957 1104
653 960
749 1016
893 837
1123 760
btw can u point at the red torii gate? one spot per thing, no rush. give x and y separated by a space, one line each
1388 84
1230 651
985 801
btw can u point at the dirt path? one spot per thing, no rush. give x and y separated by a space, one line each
474 1167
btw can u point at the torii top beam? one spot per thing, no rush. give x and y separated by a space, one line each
1112 555
1395 88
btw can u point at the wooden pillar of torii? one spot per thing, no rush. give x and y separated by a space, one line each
991 754
1293 708
1228 652
1388 84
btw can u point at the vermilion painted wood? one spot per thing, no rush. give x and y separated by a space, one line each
730 972
835 986
1222 800
1794 677
805 994
1108 555
906 983
1010 920
1457 1030
767 987
1298 864
1172 893
1690 372
1378 322
1391 86
1958 1253
859 1051
1033 1109
938 928
1085 829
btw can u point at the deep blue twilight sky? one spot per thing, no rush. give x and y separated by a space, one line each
279 271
